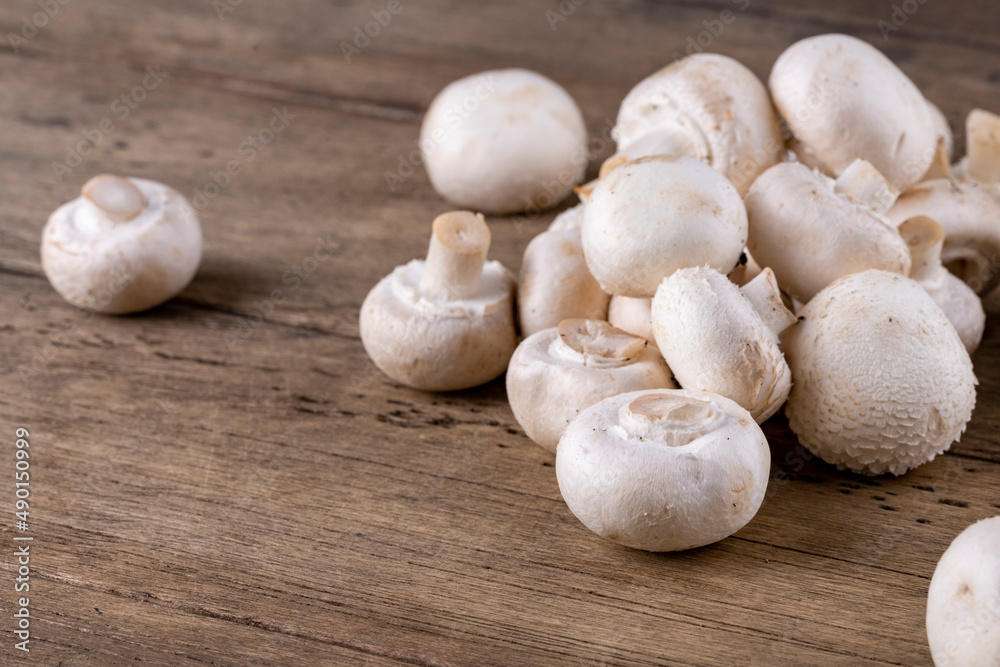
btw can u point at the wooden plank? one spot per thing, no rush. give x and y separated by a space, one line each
230 492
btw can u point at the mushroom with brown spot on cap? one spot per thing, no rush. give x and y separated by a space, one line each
963 601
557 373
446 323
708 107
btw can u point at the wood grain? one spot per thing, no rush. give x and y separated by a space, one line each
214 487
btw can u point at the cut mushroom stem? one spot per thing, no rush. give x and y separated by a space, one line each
940 167
983 131
455 258
671 418
600 344
925 239
115 196
864 185
765 297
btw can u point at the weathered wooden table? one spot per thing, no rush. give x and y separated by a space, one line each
227 480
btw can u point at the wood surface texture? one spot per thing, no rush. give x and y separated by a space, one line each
227 480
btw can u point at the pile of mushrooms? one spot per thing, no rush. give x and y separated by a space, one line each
715 272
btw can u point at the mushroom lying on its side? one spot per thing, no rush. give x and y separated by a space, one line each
706 106
504 141
557 373
963 602
966 205
663 470
125 245
648 218
881 382
446 323
555 283
843 99
958 301
720 338
811 230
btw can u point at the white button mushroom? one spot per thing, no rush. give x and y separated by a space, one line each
963 602
720 338
706 106
557 373
967 206
810 229
958 301
648 218
504 141
571 218
843 99
880 380
447 323
555 283
124 245
663 470
633 315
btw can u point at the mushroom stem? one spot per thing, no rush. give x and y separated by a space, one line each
940 167
863 184
115 196
925 239
455 258
598 343
765 297
672 419
982 129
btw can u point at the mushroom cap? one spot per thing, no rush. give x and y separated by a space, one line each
712 108
504 141
140 251
633 315
809 235
843 99
439 345
943 129
557 373
705 325
963 602
648 218
555 283
969 213
881 382
663 470
571 218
